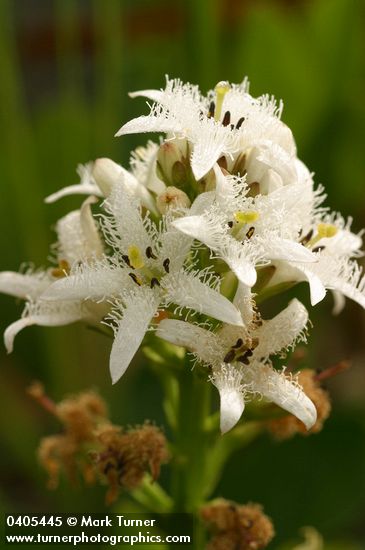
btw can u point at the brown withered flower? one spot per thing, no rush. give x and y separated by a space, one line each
92 446
237 526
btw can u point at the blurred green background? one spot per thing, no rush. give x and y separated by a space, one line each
66 67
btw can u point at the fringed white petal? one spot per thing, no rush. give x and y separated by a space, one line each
77 189
206 152
89 229
243 300
125 226
197 228
154 95
243 268
44 314
198 340
131 317
27 285
339 302
286 393
150 123
284 249
95 281
143 165
109 174
78 238
283 331
87 185
187 290
228 382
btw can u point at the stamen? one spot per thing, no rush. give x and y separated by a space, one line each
240 122
226 119
229 356
211 109
250 232
238 344
221 89
249 216
154 282
245 358
136 279
135 257
150 254
126 259
307 237
166 265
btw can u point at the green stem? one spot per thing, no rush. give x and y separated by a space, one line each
191 440
152 496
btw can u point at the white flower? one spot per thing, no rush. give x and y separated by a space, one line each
146 272
78 241
228 121
239 358
247 231
336 249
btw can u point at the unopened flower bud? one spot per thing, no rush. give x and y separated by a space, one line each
170 166
106 172
172 198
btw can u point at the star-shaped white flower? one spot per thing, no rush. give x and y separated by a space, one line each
78 242
248 231
336 268
239 358
229 121
145 272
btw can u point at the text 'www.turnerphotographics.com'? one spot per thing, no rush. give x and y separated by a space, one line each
112 529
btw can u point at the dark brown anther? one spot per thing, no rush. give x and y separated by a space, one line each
240 122
230 224
134 278
226 119
126 260
166 265
318 248
243 359
154 282
238 344
307 238
250 232
150 254
229 356
211 109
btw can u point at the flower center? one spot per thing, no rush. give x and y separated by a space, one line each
144 275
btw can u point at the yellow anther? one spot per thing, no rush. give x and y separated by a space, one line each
249 216
326 230
135 257
220 91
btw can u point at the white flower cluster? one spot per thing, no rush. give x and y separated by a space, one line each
222 197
